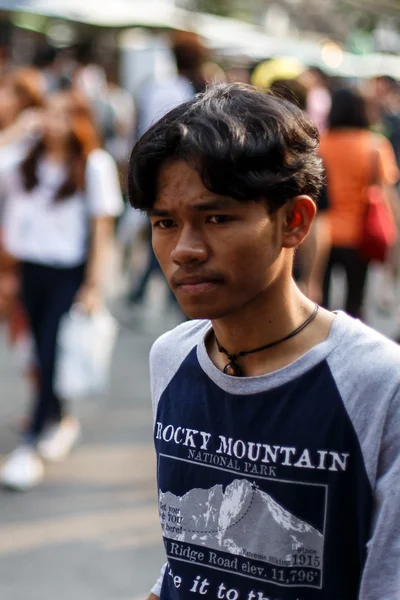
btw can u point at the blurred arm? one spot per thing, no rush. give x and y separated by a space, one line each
26 125
156 589
322 251
103 196
11 134
101 235
306 257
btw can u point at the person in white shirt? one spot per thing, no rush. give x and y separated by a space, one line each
160 96
62 196
21 93
156 100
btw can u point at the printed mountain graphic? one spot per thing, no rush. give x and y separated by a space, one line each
241 520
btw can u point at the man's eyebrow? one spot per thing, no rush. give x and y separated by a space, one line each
206 205
215 204
156 212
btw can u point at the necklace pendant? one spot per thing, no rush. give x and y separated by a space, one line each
233 370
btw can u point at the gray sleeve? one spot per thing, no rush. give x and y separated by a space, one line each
166 356
156 589
168 353
381 576
367 374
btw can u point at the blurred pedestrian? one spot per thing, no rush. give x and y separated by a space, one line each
387 105
311 257
62 196
20 89
21 93
351 155
157 99
318 96
118 120
89 77
53 66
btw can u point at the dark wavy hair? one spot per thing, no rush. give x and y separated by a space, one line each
244 143
349 110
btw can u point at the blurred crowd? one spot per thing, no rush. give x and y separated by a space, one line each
66 129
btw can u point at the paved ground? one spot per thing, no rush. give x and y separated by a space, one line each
90 532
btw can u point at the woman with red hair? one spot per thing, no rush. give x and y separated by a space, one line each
62 197
21 93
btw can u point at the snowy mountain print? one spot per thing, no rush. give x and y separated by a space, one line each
241 520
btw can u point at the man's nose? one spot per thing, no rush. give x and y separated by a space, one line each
190 248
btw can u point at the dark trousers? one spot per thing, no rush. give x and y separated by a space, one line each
355 269
47 293
152 268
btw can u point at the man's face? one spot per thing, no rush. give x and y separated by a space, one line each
217 253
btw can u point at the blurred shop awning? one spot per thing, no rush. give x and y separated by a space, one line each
229 37
110 13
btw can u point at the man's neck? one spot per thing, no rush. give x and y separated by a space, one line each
268 318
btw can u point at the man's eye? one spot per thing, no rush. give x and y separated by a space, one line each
219 219
164 224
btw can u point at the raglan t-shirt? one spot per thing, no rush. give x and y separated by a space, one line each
284 486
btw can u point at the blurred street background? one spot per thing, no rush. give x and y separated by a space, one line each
90 530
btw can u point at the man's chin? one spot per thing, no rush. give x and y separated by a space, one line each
203 312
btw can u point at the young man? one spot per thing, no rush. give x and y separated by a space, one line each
276 424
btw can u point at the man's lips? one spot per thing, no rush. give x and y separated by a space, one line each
193 284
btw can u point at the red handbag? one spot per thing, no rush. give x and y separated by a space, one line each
379 230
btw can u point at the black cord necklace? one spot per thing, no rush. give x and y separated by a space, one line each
232 368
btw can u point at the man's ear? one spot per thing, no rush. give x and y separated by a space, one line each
299 215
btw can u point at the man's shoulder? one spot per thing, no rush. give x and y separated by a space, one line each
370 340
366 370
175 345
368 355
169 352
